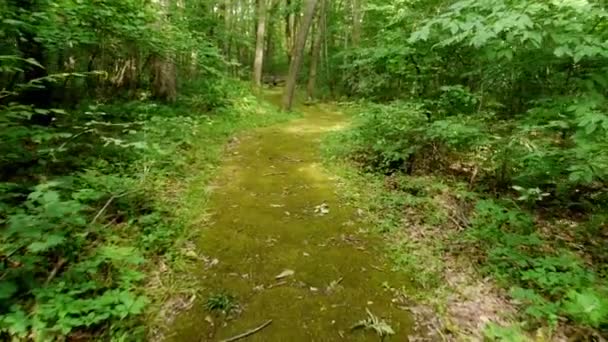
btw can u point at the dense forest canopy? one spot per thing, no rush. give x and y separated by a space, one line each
103 101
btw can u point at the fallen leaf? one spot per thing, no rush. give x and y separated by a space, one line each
322 209
334 285
285 274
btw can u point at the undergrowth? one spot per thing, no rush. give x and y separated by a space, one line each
448 190
93 244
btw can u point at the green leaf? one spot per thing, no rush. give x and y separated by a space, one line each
34 62
421 35
587 307
49 242
7 289
16 321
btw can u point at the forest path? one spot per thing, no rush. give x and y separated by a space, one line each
274 208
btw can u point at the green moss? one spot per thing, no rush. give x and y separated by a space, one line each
262 221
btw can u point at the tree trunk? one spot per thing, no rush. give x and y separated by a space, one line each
296 61
270 25
258 63
357 17
315 52
268 48
290 31
164 79
227 27
30 47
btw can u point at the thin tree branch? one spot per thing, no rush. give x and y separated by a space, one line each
248 333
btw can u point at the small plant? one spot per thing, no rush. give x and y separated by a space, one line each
495 332
374 323
222 302
530 195
588 307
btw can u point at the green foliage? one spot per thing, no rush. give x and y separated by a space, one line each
221 302
388 134
510 97
375 324
494 332
550 282
402 135
588 307
82 223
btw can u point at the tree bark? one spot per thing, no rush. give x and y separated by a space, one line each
357 17
315 52
296 62
164 79
270 30
258 63
227 27
290 30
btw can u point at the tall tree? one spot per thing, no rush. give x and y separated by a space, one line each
227 7
296 61
290 29
270 30
258 63
316 50
357 18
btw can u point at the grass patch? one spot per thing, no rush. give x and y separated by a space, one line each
441 225
221 302
391 213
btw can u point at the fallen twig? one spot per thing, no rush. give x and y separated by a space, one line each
100 212
274 174
458 224
248 333
292 159
281 283
376 268
53 273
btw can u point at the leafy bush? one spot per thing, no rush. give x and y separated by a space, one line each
77 238
387 134
548 280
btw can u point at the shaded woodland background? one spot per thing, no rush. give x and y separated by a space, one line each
103 102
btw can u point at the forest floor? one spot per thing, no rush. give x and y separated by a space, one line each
279 243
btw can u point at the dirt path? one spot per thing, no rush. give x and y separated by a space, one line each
275 208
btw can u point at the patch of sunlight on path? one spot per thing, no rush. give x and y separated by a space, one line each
267 216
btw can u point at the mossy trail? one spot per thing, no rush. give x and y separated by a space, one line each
262 221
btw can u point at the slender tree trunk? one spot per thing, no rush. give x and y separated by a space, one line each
315 52
289 31
268 48
270 25
227 27
296 62
164 70
328 67
258 63
357 17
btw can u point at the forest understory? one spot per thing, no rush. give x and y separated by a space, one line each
476 150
